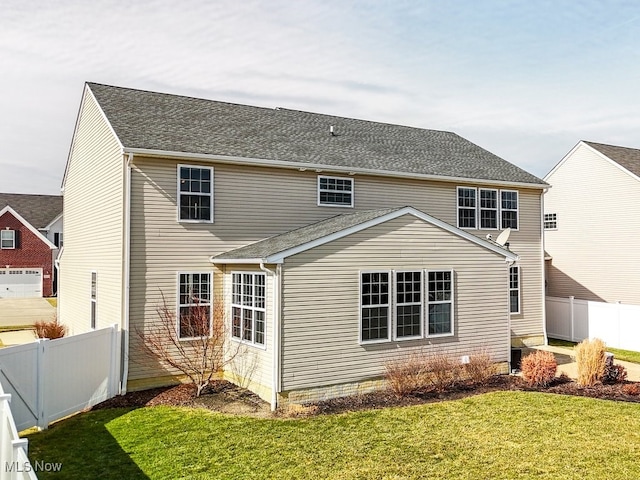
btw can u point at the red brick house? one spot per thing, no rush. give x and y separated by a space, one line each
30 235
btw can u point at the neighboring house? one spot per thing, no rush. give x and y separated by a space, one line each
30 235
332 244
592 224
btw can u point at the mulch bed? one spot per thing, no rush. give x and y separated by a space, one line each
223 396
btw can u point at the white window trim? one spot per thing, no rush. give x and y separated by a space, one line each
93 301
517 210
178 304
179 193
458 207
549 221
231 305
427 303
481 209
395 305
388 305
353 193
13 239
519 290
478 209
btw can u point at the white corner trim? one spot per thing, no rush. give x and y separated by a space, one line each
34 230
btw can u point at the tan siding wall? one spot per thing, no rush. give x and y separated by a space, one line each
321 301
595 256
93 220
254 203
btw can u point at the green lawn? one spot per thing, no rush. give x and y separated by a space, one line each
624 355
500 435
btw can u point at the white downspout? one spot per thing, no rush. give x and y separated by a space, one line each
126 250
275 374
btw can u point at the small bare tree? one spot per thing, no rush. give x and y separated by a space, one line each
195 344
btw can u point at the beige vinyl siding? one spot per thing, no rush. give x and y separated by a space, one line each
321 303
594 249
253 203
93 224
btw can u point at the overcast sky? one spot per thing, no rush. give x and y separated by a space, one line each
525 80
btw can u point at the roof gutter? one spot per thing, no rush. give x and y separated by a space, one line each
262 162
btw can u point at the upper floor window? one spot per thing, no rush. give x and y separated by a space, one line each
195 194
194 305
514 289
335 191
487 208
248 307
7 239
550 221
466 207
509 208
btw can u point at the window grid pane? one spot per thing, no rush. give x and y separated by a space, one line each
195 193
335 191
466 207
488 209
550 221
375 306
514 289
509 209
248 303
440 298
7 239
408 304
194 305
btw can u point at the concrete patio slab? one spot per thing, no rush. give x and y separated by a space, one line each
24 311
18 337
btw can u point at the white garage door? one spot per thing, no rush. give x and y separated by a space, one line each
20 282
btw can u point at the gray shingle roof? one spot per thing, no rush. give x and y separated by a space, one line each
38 210
294 238
628 158
157 121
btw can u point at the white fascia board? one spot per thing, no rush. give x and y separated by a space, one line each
279 257
564 159
260 162
239 261
87 91
34 230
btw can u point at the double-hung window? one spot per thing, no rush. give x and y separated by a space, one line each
514 289
466 207
335 191
440 303
375 303
194 305
195 193
488 209
550 221
509 208
408 293
7 239
248 308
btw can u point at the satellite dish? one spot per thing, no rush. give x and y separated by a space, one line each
503 237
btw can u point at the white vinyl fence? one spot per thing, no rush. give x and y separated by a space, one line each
617 324
14 464
50 379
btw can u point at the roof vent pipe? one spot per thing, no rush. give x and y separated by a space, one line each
333 134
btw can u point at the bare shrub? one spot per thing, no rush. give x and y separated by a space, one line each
631 389
201 352
444 370
407 374
51 329
480 367
539 368
591 360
